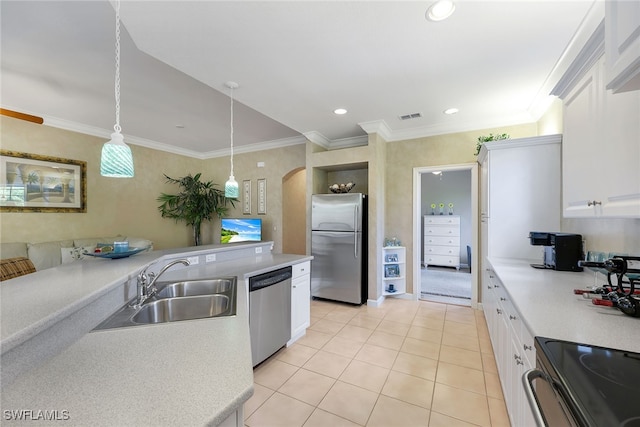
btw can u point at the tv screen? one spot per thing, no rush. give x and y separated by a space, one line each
241 230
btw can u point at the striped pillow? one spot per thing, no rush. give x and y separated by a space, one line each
15 267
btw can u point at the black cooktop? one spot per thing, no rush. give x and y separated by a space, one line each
603 384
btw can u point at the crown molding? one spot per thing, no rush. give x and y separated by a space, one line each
377 126
258 146
586 47
318 138
154 145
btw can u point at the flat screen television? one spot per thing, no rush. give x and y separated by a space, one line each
235 230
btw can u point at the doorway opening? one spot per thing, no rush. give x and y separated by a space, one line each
446 229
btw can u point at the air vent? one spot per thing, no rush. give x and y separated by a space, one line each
411 116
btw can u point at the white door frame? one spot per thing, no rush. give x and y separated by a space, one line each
417 217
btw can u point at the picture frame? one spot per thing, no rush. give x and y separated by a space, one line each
37 183
246 197
262 196
392 270
391 258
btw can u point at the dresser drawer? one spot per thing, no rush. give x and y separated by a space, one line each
441 241
441 250
441 230
450 261
441 220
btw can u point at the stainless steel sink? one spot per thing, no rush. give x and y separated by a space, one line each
179 301
196 287
185 308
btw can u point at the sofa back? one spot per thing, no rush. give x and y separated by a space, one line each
45 255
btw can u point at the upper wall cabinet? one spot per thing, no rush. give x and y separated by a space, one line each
601 149
622 45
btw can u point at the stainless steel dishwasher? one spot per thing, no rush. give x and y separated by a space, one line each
269 313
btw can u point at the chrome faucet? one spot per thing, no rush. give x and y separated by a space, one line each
146 283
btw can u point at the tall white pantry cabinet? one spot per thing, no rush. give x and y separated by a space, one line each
520 192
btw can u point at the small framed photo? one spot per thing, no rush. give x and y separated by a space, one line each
391 258
246 197
392 271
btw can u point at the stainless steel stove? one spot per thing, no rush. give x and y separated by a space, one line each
584 385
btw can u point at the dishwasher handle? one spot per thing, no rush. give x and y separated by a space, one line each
268 279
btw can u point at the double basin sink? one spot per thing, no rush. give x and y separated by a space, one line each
176 301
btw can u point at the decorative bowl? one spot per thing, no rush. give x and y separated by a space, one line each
341 188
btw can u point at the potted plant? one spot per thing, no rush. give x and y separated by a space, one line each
197 202
491 137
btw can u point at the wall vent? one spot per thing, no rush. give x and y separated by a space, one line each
411 116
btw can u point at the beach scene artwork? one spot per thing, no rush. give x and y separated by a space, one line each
235 230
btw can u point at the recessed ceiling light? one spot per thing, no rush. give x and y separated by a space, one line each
340 111
180 126
441 9
451 111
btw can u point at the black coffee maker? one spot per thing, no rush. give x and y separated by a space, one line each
562 251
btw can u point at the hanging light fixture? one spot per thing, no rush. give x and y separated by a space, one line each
116 160
231 186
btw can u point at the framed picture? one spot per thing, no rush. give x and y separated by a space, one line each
246 197
392 271
391 258
35 183
262 196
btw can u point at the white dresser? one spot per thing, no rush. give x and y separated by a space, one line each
442 240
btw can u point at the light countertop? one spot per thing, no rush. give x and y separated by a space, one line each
182 373
549 308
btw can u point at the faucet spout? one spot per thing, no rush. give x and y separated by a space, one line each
146 283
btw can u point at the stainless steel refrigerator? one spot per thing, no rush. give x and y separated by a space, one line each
339 247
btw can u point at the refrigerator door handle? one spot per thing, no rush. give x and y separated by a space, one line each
355 232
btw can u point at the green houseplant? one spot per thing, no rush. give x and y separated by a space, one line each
482 139
197 202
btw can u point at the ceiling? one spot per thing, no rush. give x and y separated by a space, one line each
295 62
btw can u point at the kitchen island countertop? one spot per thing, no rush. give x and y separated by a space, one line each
549 308
194 372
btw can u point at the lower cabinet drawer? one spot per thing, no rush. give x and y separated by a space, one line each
301 269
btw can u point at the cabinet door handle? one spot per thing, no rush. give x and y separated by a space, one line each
593 203
511 317
527 347
498 311
503 299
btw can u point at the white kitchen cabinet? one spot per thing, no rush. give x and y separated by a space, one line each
520 192
507 332
300 300
600 149
234 420
442 240
622 44
394 270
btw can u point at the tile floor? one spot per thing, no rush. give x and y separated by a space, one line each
406 363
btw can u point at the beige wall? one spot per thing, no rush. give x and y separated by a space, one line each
129 206
114 206
278 163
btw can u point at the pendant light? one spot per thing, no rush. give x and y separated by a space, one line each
116 160
231 186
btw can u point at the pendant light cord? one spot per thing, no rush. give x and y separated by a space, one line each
117 127
231 90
